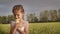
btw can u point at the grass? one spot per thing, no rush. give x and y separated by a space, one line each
4 29
45 28
35 28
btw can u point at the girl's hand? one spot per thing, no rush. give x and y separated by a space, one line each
16 25
17 20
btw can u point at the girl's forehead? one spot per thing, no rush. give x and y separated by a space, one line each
17 11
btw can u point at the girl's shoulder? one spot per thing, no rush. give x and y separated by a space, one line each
26 22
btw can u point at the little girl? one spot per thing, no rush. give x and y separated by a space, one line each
20 26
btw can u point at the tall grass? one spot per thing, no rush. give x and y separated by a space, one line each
44 28
4 29
35 28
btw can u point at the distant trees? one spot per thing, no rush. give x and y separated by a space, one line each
53 15
10 18
44 16
0 19
58 19
32 17
3 19
6 19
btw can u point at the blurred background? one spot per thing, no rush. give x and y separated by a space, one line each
43 14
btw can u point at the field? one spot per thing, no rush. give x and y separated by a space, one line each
35 28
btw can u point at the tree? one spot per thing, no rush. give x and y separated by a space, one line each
10 18
0 20
4 19
53 15
35 19
58 19
31 17
44 15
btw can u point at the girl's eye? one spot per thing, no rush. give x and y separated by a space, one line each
16 15
21 11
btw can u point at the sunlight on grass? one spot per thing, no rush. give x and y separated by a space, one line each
4 29
35 28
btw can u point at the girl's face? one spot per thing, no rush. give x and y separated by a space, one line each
18 14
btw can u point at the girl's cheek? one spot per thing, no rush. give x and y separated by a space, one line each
20 16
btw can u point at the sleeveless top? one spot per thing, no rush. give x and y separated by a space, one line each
22 28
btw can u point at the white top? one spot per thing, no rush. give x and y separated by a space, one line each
22 28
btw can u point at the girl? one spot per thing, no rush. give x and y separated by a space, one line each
20 26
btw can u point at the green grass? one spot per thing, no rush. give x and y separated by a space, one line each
4 29
44 28
35 28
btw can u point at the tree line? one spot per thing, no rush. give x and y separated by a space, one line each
6 19
44 16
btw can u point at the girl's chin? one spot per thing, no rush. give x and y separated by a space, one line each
19 18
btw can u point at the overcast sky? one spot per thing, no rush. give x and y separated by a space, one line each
30 6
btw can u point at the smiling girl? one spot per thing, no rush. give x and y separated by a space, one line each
19 26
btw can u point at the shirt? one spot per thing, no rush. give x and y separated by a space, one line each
22 28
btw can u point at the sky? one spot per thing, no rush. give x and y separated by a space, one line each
30 6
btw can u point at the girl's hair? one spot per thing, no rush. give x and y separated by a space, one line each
17 7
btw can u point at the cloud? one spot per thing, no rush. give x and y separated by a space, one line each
29 5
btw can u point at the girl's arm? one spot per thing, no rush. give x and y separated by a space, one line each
13 29
26 30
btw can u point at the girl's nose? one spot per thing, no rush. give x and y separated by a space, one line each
16 16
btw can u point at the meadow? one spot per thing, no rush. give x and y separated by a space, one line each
35 28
